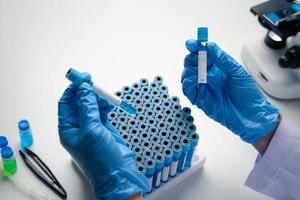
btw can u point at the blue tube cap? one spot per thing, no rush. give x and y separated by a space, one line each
185 142
160 160
168 153
24 125
3 141
177 149
75 76
150 166
202 34
194 137
6 152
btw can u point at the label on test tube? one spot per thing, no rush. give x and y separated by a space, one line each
202 66
165 173
158 178
150 181
173 169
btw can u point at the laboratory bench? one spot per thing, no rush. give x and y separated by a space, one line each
119 42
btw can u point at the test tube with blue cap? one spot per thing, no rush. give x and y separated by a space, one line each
185 142
159 160
168 154
150 168
77 78
194 137
177 150
202 54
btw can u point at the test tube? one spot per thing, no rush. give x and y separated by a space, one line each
188 119
166 143
175 100
145 136
151 122
132 122
150 168
115 124
137 101
191 128
202 54
140 110
156 101
25 133
146 144
143 127
129 145
180 123
148 105
159 160
176 108
147 153
137 94
77 78
128 98
141 168
119 94
8 161
113 115
141 117
155 139
126 137
134 131
158 80
157 148
126 90
174 138
137 150
185 142
194 137
158 109
161 125
164 96
163 134
135 141
122 119
153 130
123 128
168 154
172 129
144 82
163 89
186 111
155 93
183 132
177 149
139 159
136 86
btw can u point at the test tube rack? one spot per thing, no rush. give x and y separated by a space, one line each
162 135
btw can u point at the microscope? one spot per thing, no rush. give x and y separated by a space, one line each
274 61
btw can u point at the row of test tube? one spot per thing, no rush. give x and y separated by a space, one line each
161 134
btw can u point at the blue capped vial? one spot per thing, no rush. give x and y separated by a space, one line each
25 133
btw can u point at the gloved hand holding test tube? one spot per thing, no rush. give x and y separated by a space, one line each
77 78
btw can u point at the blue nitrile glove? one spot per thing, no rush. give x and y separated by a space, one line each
98 149
230 97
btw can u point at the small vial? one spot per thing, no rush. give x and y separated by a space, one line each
9 161
202 55
3 142
25 133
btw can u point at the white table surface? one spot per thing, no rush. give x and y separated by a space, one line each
118 42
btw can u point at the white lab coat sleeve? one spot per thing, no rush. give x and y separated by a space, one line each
277 172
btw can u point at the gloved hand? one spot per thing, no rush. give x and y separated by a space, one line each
230 97
102 155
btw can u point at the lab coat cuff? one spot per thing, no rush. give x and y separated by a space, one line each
267 167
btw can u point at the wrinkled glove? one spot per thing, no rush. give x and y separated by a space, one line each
230 97
97 147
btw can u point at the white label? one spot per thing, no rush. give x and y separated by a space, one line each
150 180
165 173
173 169
183 162
202 66
158 178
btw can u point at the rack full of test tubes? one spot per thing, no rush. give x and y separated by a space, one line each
162 133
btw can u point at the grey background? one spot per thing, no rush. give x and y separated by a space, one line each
118 42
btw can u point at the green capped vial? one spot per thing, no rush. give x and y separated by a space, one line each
8 161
